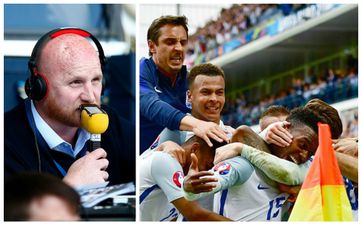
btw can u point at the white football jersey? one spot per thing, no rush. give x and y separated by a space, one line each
160 184
243 193
252 199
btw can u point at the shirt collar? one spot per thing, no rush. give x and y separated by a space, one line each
181 73
54 141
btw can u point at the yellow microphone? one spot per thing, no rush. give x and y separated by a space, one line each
95 121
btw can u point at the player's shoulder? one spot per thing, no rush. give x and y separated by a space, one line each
176 136
162 158
147 67
238 160
163 165
144 61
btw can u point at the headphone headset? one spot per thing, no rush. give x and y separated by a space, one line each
36 86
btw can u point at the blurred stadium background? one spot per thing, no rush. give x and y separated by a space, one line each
284 54
112 24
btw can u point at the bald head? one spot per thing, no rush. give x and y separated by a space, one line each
63 53
74 76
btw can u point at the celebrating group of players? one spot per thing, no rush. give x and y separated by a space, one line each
234 174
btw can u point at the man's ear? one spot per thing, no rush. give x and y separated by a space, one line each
151 46
286 125
189 95
195 147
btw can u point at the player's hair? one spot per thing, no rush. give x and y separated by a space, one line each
206 69
154 33
21 189
328 115
203 145
275 110
303 116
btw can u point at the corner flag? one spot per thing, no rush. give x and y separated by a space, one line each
323 196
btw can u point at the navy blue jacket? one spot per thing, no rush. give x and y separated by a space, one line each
161 104
20 152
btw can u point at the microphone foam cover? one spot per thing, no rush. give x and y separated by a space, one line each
94 124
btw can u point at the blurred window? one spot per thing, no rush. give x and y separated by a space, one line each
36 19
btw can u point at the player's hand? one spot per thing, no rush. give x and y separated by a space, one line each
207 130
229 130
347 146
276 133
293 191
175 150
228 151
197 182
89 169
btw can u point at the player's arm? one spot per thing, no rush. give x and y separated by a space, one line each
276 133
224 175
277 169
347 146
192 211
163 170
154 108
348 165
174 150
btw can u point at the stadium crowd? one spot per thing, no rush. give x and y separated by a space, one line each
331 87
232 24
351 127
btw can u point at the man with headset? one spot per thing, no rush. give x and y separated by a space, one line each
43 133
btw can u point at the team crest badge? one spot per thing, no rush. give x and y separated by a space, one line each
178 178
222 168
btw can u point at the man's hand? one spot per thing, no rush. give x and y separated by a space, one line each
197 182
228 151
293 191
175 150
203 129
89 169
347 146
207 130
276 134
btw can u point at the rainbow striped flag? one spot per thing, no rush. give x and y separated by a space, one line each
323 196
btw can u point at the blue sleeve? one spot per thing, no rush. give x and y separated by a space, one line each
151 106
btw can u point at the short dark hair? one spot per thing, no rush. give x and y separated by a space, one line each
304 116
207 69
275 110
21 189
204 145
328 115
153 32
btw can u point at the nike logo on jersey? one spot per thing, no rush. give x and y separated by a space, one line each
262 187
157 90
